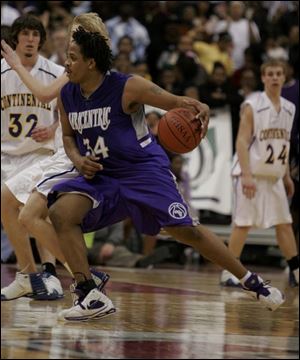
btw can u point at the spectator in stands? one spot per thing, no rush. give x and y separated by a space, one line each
243 31
273 50
126 24
109 248
189 17
219 93
186 61
191 90
168 80
141 68
293 49
219 13
257 11
126 46
249 83
219 51
164 32
8 14
170 56
122 63
199 31
282 16
59 38
5 34
53 13
252 62
80 7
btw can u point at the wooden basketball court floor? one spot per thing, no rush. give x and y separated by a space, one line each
161 314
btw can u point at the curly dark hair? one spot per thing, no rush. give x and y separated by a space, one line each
27 22
94 46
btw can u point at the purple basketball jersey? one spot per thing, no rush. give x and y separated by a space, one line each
135 181
123 142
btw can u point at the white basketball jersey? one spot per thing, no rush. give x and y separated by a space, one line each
21 111
270 145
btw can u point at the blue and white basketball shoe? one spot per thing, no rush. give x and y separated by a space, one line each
39 286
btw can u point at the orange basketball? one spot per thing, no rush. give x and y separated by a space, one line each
177 132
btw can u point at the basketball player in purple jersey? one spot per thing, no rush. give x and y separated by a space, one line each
125 173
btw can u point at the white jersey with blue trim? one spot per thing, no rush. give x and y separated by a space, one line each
21 111
270 144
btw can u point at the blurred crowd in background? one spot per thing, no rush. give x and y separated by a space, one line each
208 50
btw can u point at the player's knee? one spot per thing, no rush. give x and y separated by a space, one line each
60 216
25 218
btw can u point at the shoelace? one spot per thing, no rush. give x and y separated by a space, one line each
80 297
260 285
74 295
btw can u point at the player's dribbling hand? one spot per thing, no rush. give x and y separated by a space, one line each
202 113
88 166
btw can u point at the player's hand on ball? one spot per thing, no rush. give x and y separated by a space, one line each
202 113
204 122
88 166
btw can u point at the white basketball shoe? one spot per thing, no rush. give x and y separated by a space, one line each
94 305
261 291
100 278
39 286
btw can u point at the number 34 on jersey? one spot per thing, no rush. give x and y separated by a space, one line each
99 149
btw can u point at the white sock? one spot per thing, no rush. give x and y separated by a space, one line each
245 278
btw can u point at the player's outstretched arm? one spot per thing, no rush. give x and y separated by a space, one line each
45 93
140 91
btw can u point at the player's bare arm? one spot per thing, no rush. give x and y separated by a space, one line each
139 91
88 165
44 93
242 145
288 183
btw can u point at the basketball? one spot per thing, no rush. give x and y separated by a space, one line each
177 132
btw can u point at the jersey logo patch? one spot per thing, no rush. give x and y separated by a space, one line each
177 211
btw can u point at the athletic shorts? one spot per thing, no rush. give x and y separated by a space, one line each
150 198
269 207
12 165
42 176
